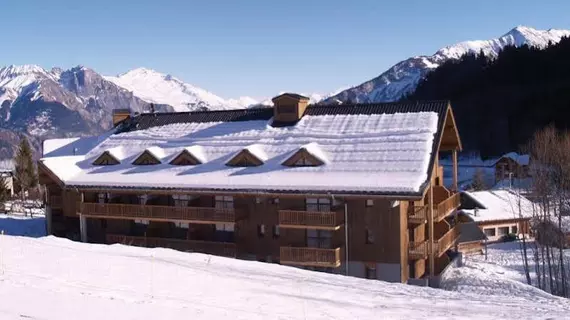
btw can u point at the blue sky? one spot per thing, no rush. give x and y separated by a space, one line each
255 47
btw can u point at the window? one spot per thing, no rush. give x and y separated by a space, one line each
370 272
261 230
369 236
503 231
276 232
321 204
258 200
183 225
224 202
226 227
181 200
514 229
276 201
143 199
319 238
490 232
140 221
369 203
303 162
103 197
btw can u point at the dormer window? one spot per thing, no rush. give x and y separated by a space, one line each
190 156
251 156
288 108
150 156
110 157
310 155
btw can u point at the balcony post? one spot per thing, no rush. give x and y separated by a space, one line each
454 160
48 220
431 236
82 219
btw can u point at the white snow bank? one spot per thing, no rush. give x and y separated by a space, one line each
52 278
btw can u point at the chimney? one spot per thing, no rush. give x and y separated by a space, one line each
120 115
288 108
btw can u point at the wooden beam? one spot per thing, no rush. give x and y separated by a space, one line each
454 160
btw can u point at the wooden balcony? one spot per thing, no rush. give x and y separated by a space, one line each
418 215
224 249
418 250
446 207
159 213
310 219
446 241
313 257
56 202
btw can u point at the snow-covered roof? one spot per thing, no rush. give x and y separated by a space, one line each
521 159
375 153
498 205
316 151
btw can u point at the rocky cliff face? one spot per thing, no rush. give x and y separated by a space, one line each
43 104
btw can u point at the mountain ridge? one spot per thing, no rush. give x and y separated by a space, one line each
402 78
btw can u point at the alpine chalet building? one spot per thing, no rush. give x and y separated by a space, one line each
352 189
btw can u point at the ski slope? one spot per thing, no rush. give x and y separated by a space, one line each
51 278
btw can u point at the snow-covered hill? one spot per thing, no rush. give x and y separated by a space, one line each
403 77
52 278
153 86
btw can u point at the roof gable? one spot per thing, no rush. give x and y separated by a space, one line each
189 156
250 156
308 155
111 156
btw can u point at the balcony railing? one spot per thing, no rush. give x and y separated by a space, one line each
446 207
310 219
159 213
418 250
56 202
314 257
418 215
210 247
446 241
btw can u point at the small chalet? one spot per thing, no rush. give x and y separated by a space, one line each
497 213
353 189
7 176
512 166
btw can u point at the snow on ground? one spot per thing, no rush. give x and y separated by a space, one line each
52 278
501 272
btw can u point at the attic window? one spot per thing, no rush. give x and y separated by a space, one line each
145 159
106 159
190 156
251 156
150 156
309 155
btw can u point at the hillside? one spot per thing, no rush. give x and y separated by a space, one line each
499 103
51 278
402 78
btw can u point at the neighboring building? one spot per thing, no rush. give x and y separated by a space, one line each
349 189
512 166
7 176
498 213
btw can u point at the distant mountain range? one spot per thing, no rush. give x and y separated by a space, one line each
42 103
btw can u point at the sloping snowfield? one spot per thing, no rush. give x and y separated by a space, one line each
51 278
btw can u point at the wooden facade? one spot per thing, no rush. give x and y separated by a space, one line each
399 237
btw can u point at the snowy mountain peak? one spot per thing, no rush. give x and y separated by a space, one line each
403 77
14 70
156 87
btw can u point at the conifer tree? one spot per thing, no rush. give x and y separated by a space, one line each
25 173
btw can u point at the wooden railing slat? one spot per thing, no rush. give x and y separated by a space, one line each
329 219
134 211
310 256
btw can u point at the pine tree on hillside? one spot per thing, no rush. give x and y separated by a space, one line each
478 183
25 174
